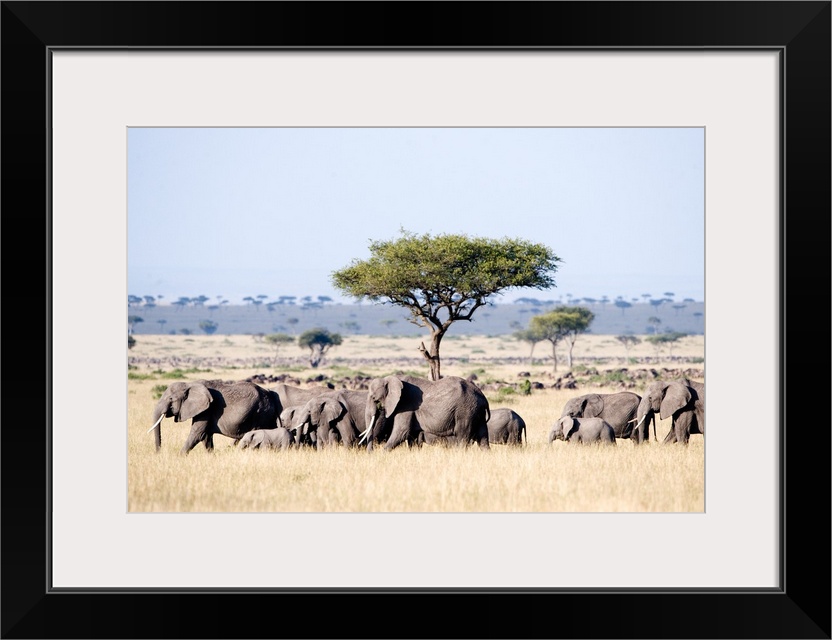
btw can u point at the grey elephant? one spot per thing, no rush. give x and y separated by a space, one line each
277 438
505 426
287 420
332 418
215 407
682 400
618 409
584 430
450 410
289 396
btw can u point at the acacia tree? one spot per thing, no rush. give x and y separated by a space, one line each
576 320
277 340
318 341
561 323
444 278
530 337
628 341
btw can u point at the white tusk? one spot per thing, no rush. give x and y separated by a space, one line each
639 422
157 423
364 434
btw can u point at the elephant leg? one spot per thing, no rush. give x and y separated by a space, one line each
197 434
209 441
401 427
682 424
347 433
481 437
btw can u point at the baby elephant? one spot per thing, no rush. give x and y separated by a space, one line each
586 430
505 426
277 438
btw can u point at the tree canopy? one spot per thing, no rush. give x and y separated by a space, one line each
444 278
561 323
319 341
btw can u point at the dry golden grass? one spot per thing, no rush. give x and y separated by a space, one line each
537 477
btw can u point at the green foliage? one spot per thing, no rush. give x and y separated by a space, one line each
208 326
444 278
277 340
178 374
456 272
318 341
132 375
158 390
561 322
526 387
628 340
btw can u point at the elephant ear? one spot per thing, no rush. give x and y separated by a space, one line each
593 406
675 397
394 394
332 410
197 401
568 426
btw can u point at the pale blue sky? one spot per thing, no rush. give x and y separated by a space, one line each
238 212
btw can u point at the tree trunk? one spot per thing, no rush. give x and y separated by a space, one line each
554 357
571 345
432 354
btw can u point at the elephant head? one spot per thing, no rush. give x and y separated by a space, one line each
666 398
586 406
317 415
663 399
180 401
383 398
561 429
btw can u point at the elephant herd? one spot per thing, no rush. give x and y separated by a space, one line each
401 409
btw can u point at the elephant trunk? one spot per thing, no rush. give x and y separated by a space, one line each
158 413
646 415
367 434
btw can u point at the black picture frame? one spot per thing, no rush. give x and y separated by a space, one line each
799 31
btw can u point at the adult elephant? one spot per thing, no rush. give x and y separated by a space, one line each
505 426
451 410
332 418
619 409
215 407
289 396
682 400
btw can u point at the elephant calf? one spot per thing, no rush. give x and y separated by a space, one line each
277 438
505 426
585 430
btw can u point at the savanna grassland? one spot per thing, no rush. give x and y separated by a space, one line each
537 477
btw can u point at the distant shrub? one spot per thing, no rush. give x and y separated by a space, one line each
132 375
178 374
158 390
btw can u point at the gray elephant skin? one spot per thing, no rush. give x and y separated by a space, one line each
277 438
682 400
618 409
451 411
584 430
505 426
332 418
215 407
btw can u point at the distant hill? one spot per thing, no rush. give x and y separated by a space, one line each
370 319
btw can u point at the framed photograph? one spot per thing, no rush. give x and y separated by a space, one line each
80 78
